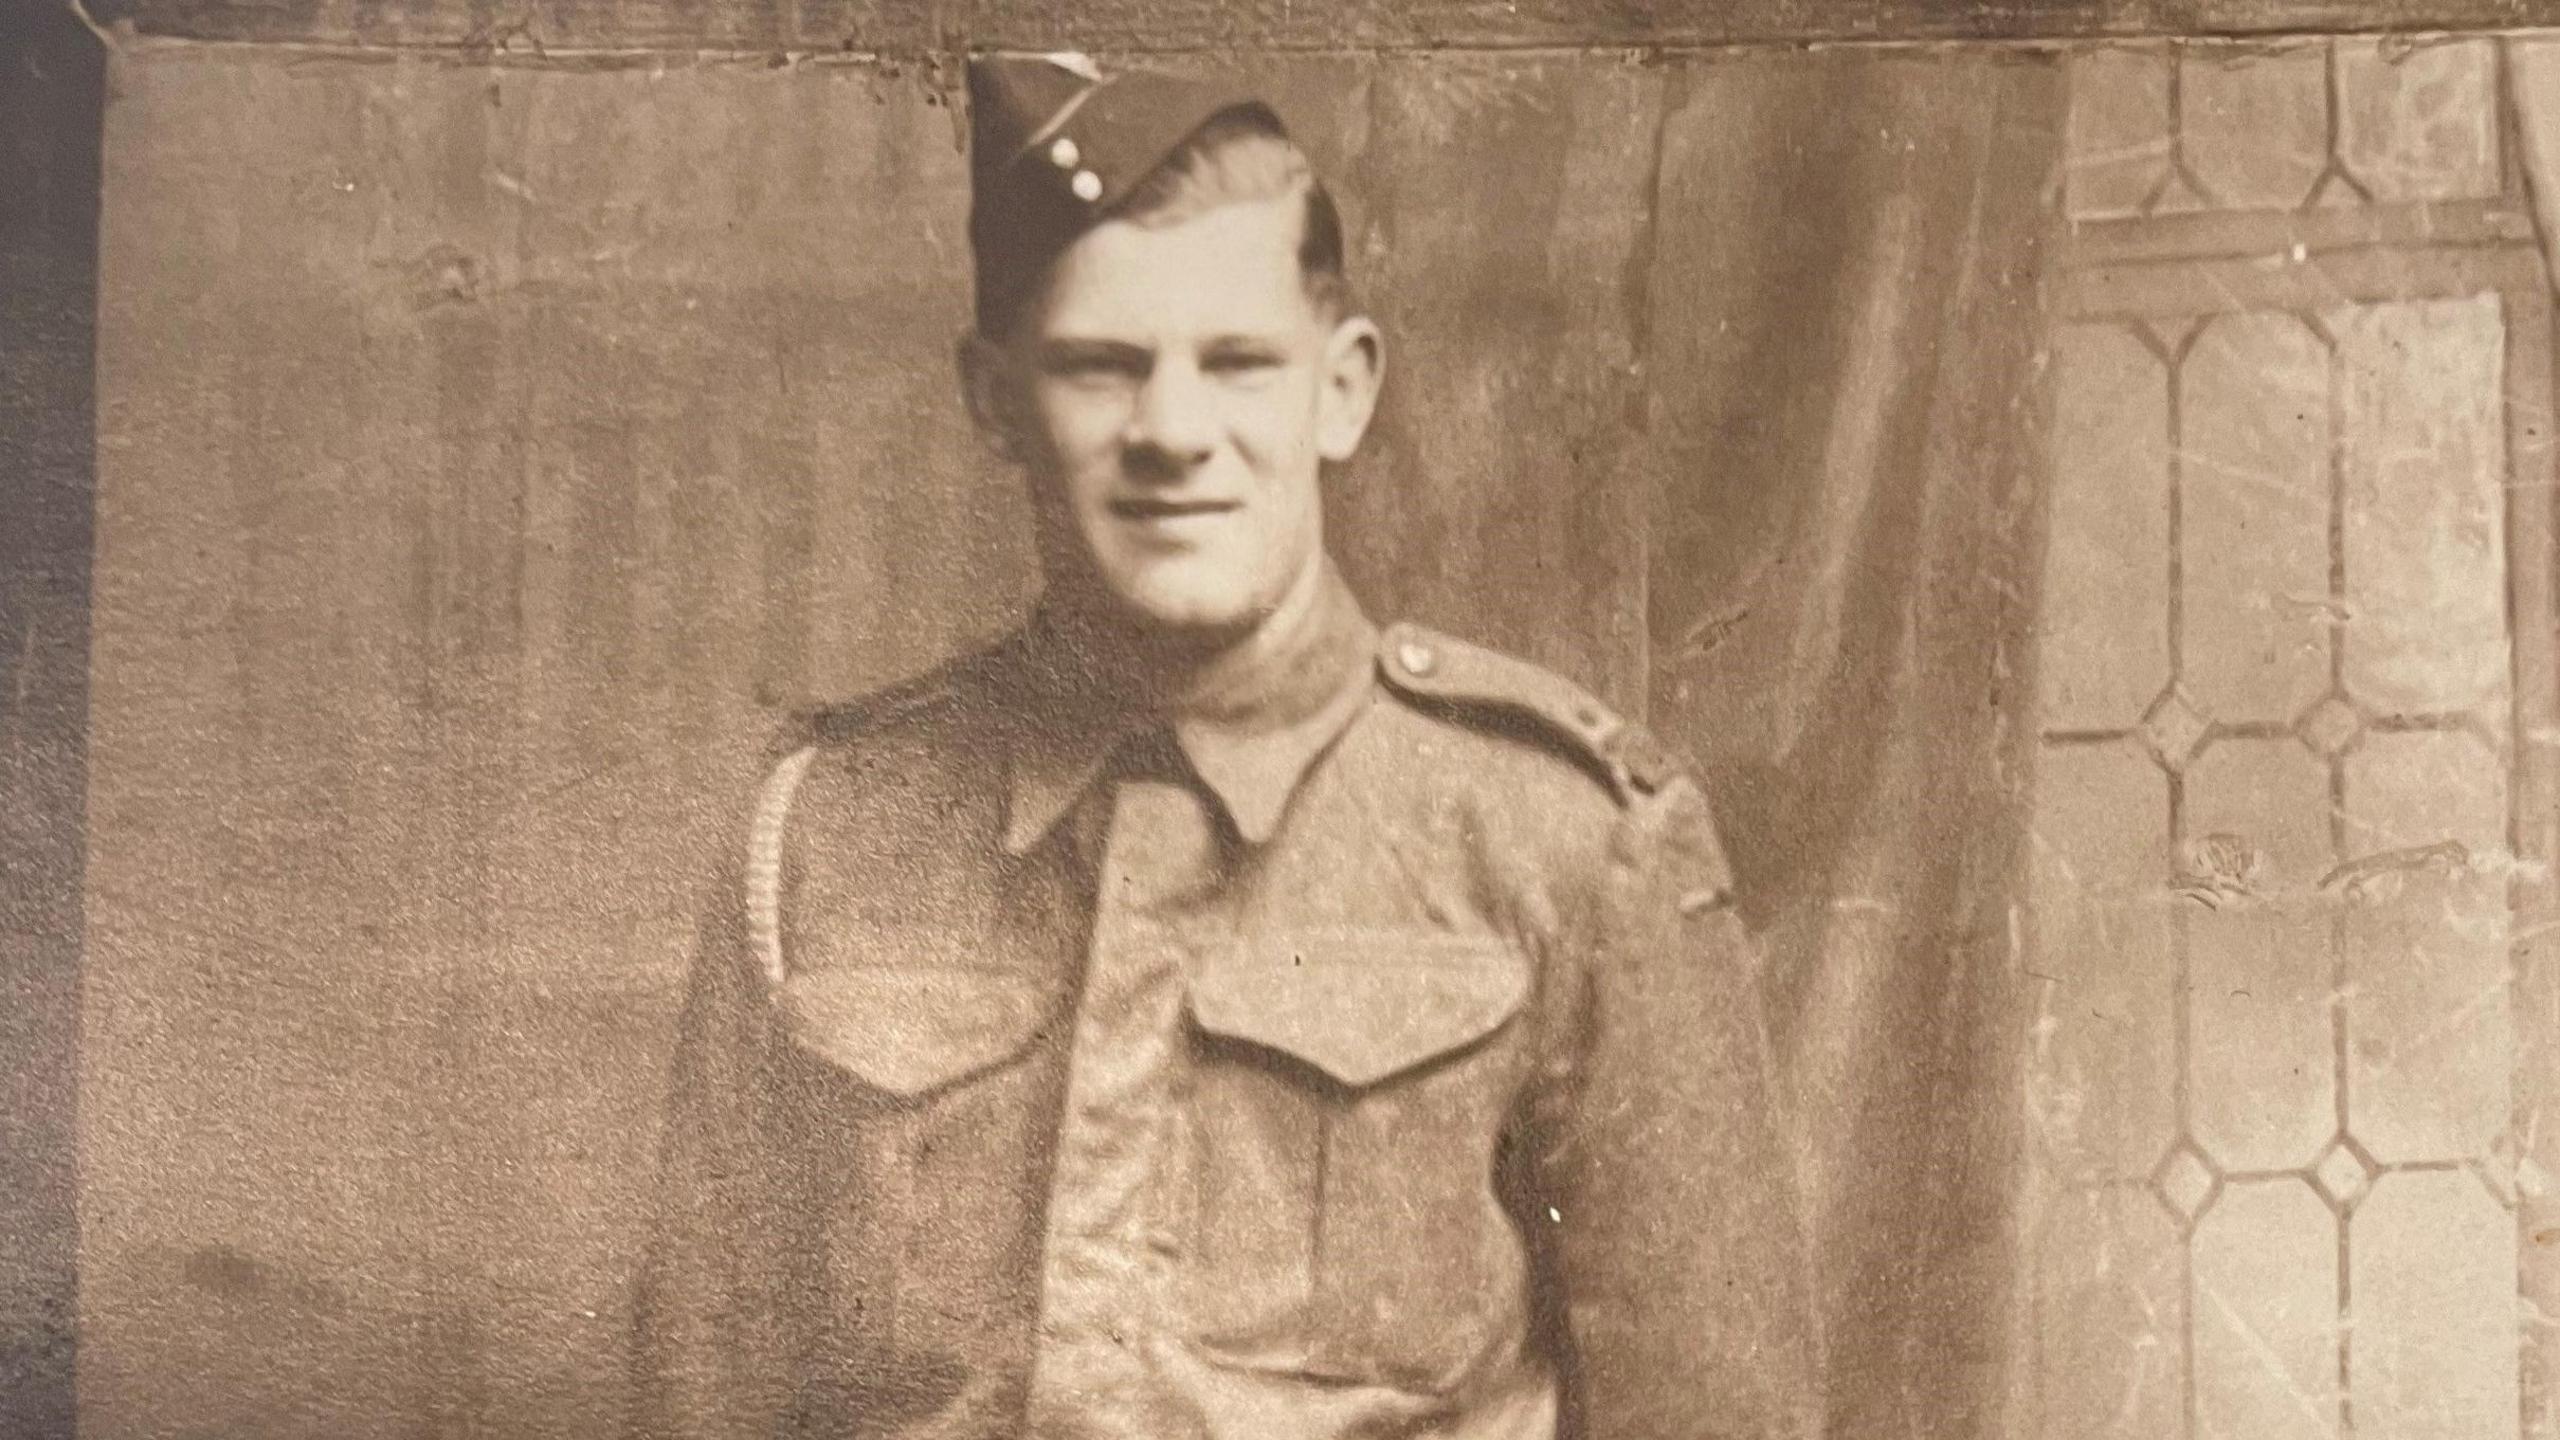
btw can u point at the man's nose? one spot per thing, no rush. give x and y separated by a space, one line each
1172 430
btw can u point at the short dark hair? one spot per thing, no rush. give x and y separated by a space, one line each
1241 153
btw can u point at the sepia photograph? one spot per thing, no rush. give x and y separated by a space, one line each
1302 721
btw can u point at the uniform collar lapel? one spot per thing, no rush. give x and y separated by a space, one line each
1251 722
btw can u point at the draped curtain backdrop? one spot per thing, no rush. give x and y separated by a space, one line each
1847 328
482 448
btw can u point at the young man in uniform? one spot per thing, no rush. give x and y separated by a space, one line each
1203 1013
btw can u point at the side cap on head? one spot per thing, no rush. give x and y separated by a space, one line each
1055 145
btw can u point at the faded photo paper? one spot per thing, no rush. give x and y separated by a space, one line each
738 723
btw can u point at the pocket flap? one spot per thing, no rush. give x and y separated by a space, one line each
1362 1005
911 1030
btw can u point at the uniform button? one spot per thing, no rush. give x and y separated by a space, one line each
1417 658
1087 185
1064 154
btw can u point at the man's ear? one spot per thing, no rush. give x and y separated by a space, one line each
1355 364
986 382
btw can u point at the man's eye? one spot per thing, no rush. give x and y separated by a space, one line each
1093 367
1242 364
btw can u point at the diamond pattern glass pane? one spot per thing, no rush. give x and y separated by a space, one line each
2266 1321
2329 726
2425 457
2111 1323
2173 728
2186 1181
2429 1035
2105 1089
2258 1002
2434 1273
2104 620
2254 123
2343 1175
2119 136
2254 498
2419 122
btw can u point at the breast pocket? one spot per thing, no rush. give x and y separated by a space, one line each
1349 1097
916 1089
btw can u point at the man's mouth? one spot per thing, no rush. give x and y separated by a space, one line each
1150 509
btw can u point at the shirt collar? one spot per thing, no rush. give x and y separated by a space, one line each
1251 723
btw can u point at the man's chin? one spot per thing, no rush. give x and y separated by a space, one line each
1189 618
1175 607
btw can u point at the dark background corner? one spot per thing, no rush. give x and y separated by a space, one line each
52 88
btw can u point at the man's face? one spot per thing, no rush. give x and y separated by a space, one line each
1173 398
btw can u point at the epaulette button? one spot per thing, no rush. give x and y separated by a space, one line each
1417 658
1644 761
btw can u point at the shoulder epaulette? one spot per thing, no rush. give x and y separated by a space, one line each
1452 674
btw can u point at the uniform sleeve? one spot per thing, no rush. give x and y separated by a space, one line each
1675 1231
713 1355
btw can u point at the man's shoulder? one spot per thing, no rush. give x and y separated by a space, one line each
930 707
1508 701
1543 746
864 757
923 729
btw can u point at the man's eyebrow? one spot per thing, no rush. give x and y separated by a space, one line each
1089 347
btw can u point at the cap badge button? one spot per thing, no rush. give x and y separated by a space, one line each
1417 658
1064 154
1087 185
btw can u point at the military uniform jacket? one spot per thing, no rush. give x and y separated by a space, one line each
1371 1051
